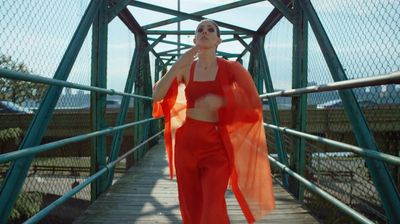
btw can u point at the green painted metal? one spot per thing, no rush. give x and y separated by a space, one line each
157 67
394 160
16 175
273 18
273 108
98 158
288 13
106 169
30 151
133 71
116 8
299 103
312 187
203 13
174 50
167 62
187 32
381 177
187 16
152 45
55 82
142 109
389 78
140 39
186 45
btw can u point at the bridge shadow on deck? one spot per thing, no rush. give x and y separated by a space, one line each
146 195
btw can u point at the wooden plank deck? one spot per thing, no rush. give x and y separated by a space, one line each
146 195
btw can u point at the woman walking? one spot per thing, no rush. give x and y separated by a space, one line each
214 133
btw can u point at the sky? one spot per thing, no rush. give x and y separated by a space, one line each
365 34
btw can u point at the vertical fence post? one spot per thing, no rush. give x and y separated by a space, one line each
133 72
299 103
381 177
273 107
98 158
142 107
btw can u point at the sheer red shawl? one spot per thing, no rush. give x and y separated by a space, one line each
241 125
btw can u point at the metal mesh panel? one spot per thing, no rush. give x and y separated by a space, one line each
34 38
365 36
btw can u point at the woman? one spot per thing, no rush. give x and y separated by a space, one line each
214 133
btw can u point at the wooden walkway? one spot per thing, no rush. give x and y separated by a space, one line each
146 195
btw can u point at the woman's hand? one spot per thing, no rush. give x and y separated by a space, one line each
187 58
210 102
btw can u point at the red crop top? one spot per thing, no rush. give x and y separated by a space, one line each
196 89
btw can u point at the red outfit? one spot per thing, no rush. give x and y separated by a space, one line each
237 143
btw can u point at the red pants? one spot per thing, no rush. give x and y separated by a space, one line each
202 171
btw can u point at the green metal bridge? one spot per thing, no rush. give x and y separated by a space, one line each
76 82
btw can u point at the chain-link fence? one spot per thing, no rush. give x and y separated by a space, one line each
33 39
366 38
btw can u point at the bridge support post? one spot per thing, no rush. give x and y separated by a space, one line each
299 103
98 158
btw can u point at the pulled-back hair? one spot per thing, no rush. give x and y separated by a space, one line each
214 23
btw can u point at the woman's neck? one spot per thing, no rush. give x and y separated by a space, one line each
207 57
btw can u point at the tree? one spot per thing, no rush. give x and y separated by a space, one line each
15 90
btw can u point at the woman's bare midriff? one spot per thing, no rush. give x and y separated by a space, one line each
202 114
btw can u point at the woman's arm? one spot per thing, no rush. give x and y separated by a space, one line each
177 72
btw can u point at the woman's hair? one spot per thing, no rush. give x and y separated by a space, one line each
214 23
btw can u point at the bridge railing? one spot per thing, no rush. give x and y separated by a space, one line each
66 120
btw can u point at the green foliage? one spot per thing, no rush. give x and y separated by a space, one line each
27 205
15 90
10 133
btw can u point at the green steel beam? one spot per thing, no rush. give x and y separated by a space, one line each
152 45
167 62
288 13
312 187
273 106
16 175
203 13
245 45
272 19
171 42
98 157
188 32
188 16
142 109
184 45
234 39
173 50
116 6
157 70
140 37
299 103
383 181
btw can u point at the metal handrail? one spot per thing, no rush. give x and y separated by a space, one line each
342 206
40 215
352 148
6 157
39 79
391 78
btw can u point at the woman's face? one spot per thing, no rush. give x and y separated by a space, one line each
206 36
